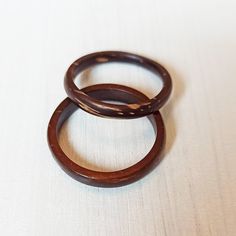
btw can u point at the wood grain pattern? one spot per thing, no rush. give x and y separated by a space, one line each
192 192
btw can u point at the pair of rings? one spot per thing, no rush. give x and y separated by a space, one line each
91 99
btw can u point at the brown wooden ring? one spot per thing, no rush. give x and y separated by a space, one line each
100 108
106 179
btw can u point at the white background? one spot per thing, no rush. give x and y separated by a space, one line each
192 191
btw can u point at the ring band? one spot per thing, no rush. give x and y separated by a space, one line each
127 111
106 179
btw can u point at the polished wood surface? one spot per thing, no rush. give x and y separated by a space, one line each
131 110
113 178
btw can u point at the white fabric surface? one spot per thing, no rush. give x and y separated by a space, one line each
192 191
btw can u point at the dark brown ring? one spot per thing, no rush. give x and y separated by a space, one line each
100 108
106 179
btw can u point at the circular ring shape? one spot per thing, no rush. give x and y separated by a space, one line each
106 179
127 111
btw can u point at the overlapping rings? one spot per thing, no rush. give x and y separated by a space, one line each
91 99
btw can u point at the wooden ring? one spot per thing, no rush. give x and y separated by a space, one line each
100 108
106 179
